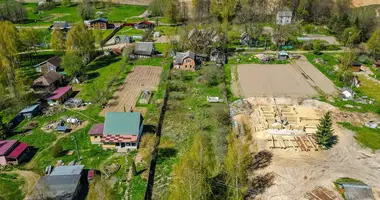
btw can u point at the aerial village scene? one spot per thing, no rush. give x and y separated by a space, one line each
190 99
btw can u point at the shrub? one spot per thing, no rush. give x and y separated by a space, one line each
309 28
57 151
46 6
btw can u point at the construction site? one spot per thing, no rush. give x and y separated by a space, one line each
284 127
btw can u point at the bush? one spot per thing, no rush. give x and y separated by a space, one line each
176 85
212 75
309 28
57 151
365 59
46 6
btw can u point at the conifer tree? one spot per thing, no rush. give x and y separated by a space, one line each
325 133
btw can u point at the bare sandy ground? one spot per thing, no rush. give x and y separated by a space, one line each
273 80
316 78
297 173
359 3
328 39
139 79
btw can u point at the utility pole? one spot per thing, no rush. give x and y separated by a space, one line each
76 147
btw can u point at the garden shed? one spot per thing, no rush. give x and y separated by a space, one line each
31 110
356 190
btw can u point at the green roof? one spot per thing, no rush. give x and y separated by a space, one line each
122 123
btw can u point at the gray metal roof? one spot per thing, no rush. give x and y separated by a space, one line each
56 187
30 108
284 13
144 48
179 57
67 170
357 190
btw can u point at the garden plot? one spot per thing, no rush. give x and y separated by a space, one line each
139 79
273 80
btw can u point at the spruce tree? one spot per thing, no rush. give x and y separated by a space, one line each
325 133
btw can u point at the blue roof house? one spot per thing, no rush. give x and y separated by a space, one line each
31 110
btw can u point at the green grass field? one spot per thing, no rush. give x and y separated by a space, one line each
118 13
366 137
11 186
188 103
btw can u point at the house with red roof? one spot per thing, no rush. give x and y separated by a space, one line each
60 95
13 152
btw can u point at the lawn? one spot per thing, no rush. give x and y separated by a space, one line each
187 103
366 137
11 186
328 68
99 72
61 13
367 86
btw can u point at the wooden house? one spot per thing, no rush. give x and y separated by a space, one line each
185 61
52 64
48 82
143 25
97 24
60 95
356 66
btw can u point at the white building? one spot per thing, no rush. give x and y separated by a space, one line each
284 17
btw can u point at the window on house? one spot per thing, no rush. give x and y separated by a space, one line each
117 144
133 144
95 136
101 137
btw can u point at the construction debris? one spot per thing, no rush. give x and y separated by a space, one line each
214 99
372 124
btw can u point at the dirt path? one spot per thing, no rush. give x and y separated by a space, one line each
30 179
31 164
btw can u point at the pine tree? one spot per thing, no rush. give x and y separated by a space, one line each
325 133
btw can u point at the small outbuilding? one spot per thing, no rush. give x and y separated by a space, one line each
60 95
52 64
143 50
356 66
143 25
96 133
31 110
283 55
356 190
13 152
64 182
60 25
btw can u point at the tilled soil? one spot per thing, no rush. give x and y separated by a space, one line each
139 79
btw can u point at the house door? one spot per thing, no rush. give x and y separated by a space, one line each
122 144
